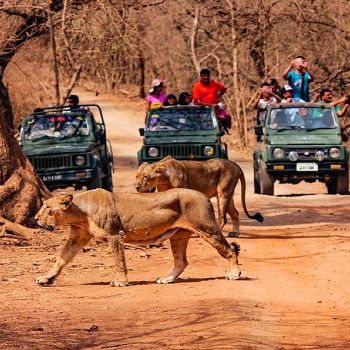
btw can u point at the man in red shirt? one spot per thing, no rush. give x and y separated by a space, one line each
207 92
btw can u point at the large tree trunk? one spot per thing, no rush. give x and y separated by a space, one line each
21 190
5 104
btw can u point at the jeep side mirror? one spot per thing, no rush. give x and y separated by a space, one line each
142 131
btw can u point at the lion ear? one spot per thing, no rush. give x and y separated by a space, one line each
64 200
159 168
167 158
141 168
143 165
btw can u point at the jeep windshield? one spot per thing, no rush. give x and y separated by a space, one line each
55 126
183 119
309 118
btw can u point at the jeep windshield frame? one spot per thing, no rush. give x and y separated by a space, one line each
181 118
302 116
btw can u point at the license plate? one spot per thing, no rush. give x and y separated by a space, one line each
307 167
52 177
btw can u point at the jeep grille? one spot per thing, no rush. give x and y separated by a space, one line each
51 162
307 153
179 151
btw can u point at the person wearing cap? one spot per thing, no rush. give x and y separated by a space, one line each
299 78
288 95
292 114
207 92
157 95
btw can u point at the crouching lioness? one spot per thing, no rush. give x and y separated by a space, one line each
141 219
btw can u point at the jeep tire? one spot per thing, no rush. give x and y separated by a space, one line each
332 187
257 188
107 183
343 183
96 181
266 180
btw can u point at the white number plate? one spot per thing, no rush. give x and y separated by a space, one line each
52 177
307 167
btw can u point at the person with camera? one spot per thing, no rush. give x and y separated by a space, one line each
275 85
265 98
299 78
326 96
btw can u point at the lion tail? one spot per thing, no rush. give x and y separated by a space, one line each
257 216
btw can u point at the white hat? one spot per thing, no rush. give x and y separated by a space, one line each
287 88
156 82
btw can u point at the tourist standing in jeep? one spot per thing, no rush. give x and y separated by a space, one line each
299 77
73 102
207 91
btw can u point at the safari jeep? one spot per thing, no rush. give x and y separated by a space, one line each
184 132
68 147
300 142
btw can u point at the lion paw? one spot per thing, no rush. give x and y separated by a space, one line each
233 276
42 281
118 283
233 234
164 280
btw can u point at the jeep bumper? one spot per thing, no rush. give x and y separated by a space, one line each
286 171
56 179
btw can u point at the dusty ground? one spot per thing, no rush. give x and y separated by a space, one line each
294 293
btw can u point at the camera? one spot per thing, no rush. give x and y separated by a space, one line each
347 101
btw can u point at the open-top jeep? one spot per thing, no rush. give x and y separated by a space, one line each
68 147
300 142
184 132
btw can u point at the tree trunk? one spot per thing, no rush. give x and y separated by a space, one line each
5 103
54 60
195 60
21 190
142 69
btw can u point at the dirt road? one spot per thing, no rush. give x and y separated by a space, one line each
294 294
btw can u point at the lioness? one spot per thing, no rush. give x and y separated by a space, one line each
141 219
212 177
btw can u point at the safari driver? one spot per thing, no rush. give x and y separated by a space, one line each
206 91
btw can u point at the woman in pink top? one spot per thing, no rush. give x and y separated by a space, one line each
157 95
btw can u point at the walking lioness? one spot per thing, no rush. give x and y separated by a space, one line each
214 177
141 219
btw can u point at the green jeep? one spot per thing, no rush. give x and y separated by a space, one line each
300 142
184 132
68 147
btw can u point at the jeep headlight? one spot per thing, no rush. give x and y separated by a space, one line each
208 151
153 152
319 155
79 160
278 153
334 152
293 156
